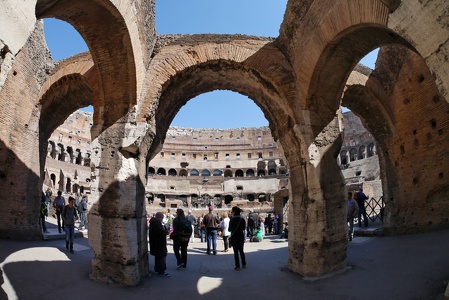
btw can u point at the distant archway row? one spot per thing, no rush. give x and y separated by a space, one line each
219 173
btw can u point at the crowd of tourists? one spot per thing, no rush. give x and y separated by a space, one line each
67 214
235 228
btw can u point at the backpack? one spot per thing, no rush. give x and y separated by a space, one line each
185 227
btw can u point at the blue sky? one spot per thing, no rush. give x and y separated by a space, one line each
215 109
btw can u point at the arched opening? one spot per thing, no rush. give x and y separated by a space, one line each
250 173
217 172
250 197
261 173
172 172
194 172
227 173
151 171
239 173
161 171
205 173
183 173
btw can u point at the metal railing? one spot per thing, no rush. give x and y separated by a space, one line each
375 209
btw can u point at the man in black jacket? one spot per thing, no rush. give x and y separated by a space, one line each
158 244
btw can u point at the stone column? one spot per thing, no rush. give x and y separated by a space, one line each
117 221
317 210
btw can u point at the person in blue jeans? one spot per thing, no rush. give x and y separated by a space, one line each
69 216
211 223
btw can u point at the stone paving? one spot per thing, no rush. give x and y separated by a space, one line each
398 267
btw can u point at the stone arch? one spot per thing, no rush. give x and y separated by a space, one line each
180 72
205 173
344 157
228 199
172 172
250 197
161 171
250 173
183 172
239 173
194 172
112 30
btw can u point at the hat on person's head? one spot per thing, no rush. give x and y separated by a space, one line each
211 208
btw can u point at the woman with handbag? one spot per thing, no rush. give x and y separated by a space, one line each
237 238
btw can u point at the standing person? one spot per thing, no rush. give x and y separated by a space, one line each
211 223
275 223
353 211
48 194
244 216
182 230
237 237
253 223
158 244
192 220
224 225
43 212
82 209
201 228
69 215
268 224
59 204
361 199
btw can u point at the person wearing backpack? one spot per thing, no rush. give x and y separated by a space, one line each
353 212
182 230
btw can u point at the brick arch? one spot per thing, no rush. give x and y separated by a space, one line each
70 87
255 68
337 40
109 42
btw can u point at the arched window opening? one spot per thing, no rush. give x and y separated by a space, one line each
53 179
183 173
239 173
250 173
272 172
353 154
217 172
362 152
151 171
261 173
161 171
194 172
262 197
228 173
172 172
250 197
205 173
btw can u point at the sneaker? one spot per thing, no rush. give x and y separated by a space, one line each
244 266
215 252
164 275
179 266
236 269
71 251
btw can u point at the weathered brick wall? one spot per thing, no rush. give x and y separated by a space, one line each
19 155
419 147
